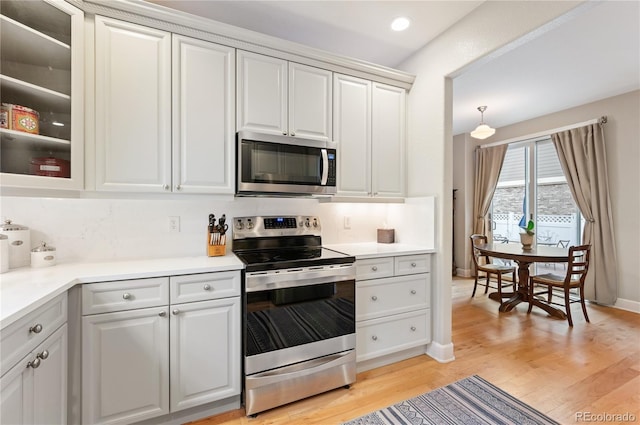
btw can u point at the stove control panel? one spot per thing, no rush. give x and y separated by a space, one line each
289 225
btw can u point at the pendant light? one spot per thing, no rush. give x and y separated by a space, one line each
482 131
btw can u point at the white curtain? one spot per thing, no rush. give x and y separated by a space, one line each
582 155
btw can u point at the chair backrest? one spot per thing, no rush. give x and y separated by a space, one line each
477 239
578 265
563 243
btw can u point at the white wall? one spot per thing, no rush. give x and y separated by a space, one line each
94 229
487 30
623 156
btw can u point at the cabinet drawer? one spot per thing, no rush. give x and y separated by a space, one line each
24 335
204 286
412 264
373 268
387 335
123 295
383 297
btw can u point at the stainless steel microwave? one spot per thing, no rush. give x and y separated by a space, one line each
284 165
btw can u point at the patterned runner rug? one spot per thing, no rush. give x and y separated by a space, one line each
469 401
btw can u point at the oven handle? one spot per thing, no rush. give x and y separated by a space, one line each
299 370
325 167
257 281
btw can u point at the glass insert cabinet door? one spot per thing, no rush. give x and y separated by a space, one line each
41 91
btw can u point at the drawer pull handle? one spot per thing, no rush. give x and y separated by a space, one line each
374 298
375 338
374 268
206 287
176 312
126 296
44 355
413 292
36 329
35 363
413 264
162 313
413 328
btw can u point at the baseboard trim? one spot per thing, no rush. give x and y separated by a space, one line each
628 305
463 272
442 353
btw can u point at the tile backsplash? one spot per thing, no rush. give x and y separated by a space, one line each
89 229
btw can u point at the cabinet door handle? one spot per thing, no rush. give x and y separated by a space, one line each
35 363
413 264
293 134
374 298
36 329
126 296
284 133
162 313
413 292
374 268
178 187
206 287
375 338
176 312
166 187
413 328
44 355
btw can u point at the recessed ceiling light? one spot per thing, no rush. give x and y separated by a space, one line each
400 24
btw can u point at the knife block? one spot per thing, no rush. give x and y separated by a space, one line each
216 249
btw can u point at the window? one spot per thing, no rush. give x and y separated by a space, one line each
532 184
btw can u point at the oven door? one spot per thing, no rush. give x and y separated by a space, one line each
296 315
278 164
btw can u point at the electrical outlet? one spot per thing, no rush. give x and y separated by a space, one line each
174 224
347 222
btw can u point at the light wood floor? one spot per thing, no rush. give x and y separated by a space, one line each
594 367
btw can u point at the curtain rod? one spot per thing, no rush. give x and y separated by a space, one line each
601 120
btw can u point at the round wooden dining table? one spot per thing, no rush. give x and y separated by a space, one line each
524 258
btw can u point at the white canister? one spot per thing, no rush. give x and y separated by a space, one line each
4 253
19 244
43 256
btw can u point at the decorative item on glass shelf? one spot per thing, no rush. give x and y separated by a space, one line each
19 118
217 236
526 237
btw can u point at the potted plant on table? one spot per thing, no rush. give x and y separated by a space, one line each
526 237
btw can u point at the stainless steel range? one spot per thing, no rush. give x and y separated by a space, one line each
299 311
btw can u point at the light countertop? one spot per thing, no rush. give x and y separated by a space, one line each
25 289
373 250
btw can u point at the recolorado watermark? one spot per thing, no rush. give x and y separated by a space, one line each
605 417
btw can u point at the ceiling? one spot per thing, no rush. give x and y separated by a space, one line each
592 56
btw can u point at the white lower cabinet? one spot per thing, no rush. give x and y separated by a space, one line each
34 391
393 308
181 350
202 370
33 367
125 376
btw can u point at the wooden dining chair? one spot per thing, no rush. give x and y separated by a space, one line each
555 285
483 263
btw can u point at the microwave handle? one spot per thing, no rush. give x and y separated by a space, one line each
325 167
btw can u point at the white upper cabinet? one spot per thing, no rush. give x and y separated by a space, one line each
133 107
164 111
352 118
369 121
388 141
203 116
41 69
278 97
310 102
